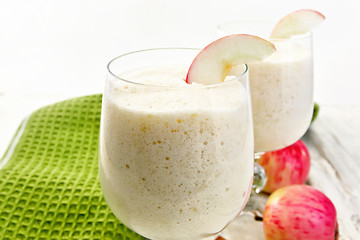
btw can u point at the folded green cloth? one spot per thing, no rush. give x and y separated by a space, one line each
49 187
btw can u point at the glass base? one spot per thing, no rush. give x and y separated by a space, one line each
248 226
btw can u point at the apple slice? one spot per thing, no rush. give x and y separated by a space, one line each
298 22
214 62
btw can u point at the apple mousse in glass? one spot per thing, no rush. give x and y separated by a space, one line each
176 159
282 85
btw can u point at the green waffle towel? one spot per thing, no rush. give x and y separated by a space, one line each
49 186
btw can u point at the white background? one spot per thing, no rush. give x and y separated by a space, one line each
51 50
61 47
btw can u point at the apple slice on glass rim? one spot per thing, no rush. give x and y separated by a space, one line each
215 61
297 22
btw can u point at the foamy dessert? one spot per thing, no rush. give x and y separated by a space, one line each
176 159
282 96
281 85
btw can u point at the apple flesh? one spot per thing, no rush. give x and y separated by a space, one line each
215 61
295 23
286 166
299 212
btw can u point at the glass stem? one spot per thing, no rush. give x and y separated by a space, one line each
259 175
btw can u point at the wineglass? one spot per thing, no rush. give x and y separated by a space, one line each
281 88
175 160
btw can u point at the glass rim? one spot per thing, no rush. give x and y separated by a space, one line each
237 78
263 22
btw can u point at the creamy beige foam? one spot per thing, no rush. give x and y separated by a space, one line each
281 94
175 163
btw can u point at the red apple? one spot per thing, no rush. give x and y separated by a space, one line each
286 166
215 61
299 212
298 22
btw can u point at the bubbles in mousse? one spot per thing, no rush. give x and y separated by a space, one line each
174 158
281 96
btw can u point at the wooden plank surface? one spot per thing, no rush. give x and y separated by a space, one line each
334 144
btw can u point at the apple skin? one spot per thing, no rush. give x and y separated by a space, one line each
300 212
297 22
315 112
214 62
286 166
